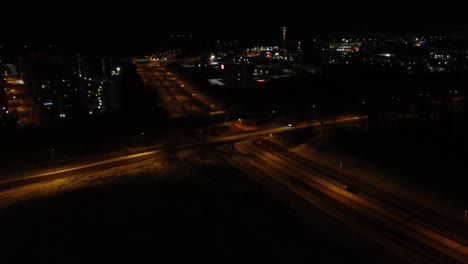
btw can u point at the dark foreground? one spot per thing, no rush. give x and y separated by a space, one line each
199 214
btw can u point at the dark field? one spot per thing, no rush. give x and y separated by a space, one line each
203 214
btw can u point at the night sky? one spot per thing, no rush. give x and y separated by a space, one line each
107 27
225 18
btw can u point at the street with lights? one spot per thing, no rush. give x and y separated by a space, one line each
402 227
116 159
268 141
171 93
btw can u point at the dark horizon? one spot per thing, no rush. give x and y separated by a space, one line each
240 20
115 29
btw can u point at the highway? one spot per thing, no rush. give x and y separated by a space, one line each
52 172
174 95
407 231
403 228
416 236
97 162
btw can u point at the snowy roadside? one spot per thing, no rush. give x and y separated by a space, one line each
368 173
157 168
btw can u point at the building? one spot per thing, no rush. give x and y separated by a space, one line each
68 85
237 74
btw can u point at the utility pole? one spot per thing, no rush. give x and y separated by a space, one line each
341 167
191 102
52 154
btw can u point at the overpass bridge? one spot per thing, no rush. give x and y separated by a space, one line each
49 171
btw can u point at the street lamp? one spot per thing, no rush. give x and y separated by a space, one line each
341 167
142 135
52 152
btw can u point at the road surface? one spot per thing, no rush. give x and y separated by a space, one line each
173 94
413 234
98 161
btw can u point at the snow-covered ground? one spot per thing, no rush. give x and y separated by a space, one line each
154 210
58 186
156 166
366 172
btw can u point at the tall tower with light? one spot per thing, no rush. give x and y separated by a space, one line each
283 38
78 60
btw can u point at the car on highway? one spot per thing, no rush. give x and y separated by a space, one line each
256 142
